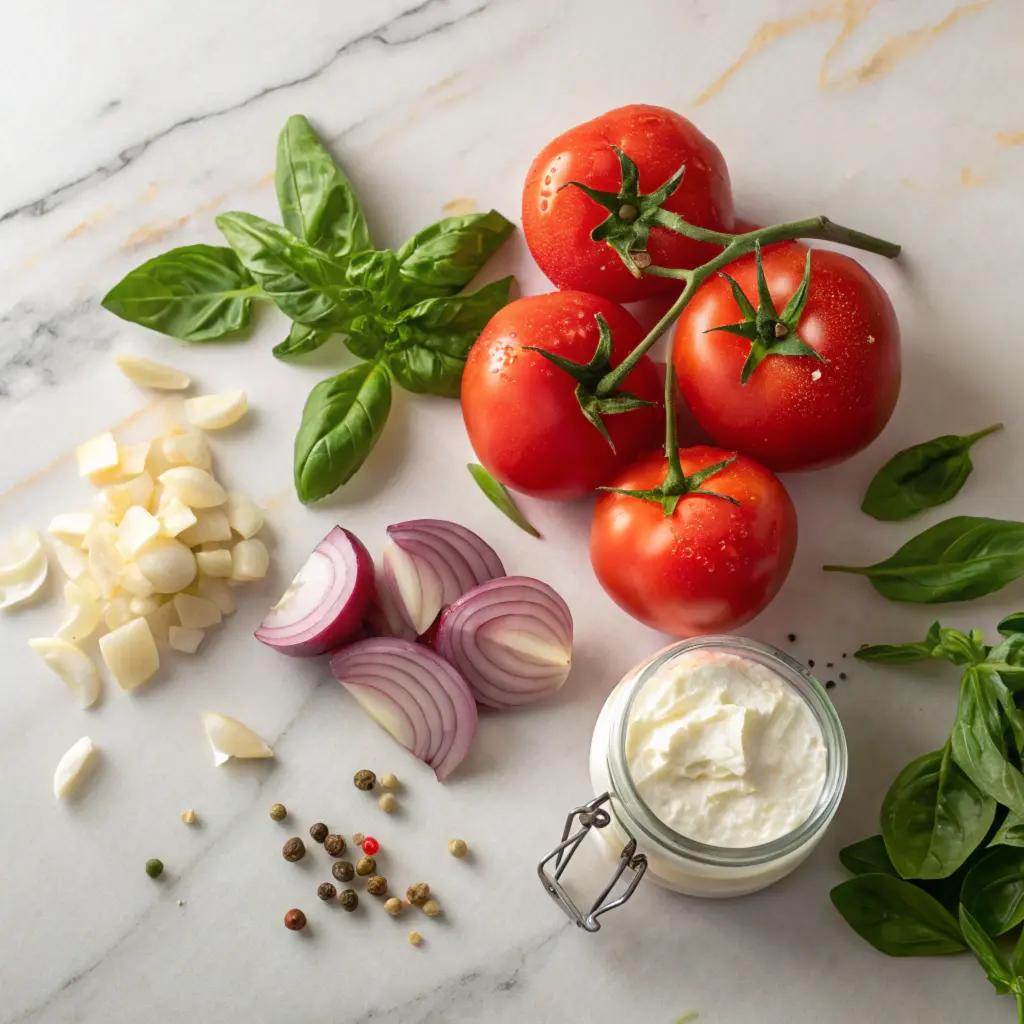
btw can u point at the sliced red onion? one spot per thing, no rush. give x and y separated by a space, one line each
511 638
429 563
417 696
325 603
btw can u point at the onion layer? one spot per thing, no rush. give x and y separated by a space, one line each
511 638
326 601
418 697
429 563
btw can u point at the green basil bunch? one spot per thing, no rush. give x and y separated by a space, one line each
402 312
946 872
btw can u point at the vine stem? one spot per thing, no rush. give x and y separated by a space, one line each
675 478
735 246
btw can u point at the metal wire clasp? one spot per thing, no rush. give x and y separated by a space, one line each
591 815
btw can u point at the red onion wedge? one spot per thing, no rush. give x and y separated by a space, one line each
429 563
418 697
325 603
511 638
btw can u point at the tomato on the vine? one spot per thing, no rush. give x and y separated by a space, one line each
558 220
805 384
522 414
710 565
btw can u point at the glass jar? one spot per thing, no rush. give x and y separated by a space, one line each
646 845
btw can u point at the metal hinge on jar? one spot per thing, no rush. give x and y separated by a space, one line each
591 815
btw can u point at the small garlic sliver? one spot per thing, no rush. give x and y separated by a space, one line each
97 454
231 738
71 767
73 665
19 551
150 374
195 487
20 591
83 614
214 412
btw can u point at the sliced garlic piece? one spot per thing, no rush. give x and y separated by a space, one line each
19 591
72 768
167 564
105 564
211 525
175 517
73 665
73 562
71 527
249 560
133 457
136 583
100 528
244 515
186 640
83 614
217 591
140 606
117 611
188 449
149 374
97 454
196 487
215 563
137 529
130 653
214 412
196 612
19 552
161 620
121 497
230 738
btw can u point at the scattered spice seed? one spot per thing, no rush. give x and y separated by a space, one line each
188 816
458 848
377 885
349 900
335 845
792 638
842 675
154 867
830 685
366 866
828 664
389 781
343 870
294 849
278 812
844 654
387 803
357 838
295 920
326 891
432 908
810 663
418 893
319 831
181 903
370 846
364 780
415 938
393 906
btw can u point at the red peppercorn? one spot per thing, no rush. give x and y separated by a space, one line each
370 846
295 920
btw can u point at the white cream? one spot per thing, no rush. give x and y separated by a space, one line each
724 751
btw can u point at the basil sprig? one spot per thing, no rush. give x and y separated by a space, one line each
939 643
923 476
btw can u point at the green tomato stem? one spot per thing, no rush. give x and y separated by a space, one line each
675 479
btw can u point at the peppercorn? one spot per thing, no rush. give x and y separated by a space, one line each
294 849
393 906
792 638
366 866
335 845
418 893
415 938
188 816
387 803
376 885
432 908
364 780
278 812
389 781
154 868
830 684
842 675
810 663
370 846
828 664
326 891
349 900
319 831
295 920
343 870
458 848
357 838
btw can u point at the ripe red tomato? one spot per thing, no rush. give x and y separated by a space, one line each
521 412
711 565
794 412
557 224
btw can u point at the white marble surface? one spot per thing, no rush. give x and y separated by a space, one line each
125 127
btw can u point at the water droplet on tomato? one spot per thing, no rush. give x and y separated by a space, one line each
543 205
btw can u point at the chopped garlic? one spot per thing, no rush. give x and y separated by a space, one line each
230 738
121 497
19 554
117 612
136 583
217 591
249 560
98 454
150 374
71 527
133 457
73 665
71 768
211 525
185 640
130 653
196 487
188 449
161 621
140 606
215 563
175 517
137 529
167 564
73 562
83 614
214 412
244 515
196 612
105 564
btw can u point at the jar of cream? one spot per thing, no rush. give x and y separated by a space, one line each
719 762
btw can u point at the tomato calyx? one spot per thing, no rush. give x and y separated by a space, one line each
770 333
595 402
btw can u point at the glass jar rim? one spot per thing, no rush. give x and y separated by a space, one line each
633 808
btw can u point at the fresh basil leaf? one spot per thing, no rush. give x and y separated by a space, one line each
902 654
955 560
444 257
934 817
1007 659
979 739
301 339
869 856
993 890
366 336
896 916
377 272
986 951
431 340
922 477
317 201
497 494
306 284
1010 833
194 293
341 422
1017 960
1012 624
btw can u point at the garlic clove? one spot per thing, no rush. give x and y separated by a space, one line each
244 515
184 639
130 653
150 374
83 614
73 665
195 487
97 454
214 412
249 560
19 552
196 612
19 591
231 738
72 768
215 563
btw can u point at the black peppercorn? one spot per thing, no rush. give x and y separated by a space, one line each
319 831
377 885
830 684
365 779
326 891
842 675
828 664
792 638
294 849
335 845
810 663
348 899
343 870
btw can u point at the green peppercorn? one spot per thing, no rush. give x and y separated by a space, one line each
458 848
418 893
349 900
365 780
335 845
318 831
294 849
366 866
377 885
326 891
343 870
154 868
278 812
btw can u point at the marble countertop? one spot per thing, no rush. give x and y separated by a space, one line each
130 126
